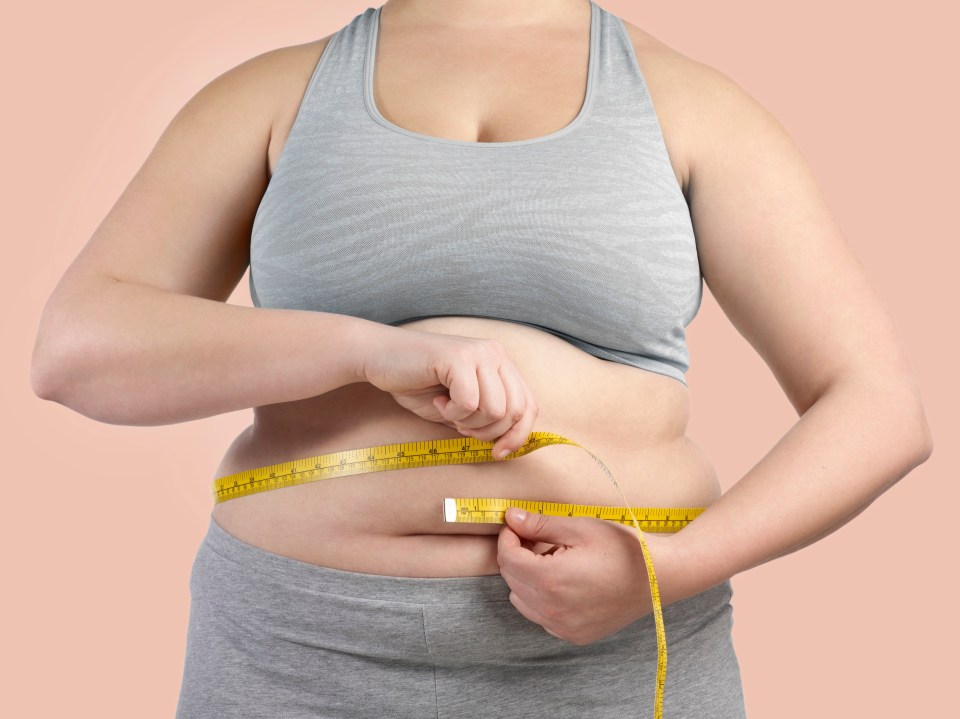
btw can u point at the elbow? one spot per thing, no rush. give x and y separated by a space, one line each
914 430
54 375
65 382
53 351
43 384
915 424
925 437
74 363
81 373
65 370
45 371
41 381
894 404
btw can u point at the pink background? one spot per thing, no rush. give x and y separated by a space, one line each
101 522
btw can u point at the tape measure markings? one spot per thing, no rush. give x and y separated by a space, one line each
386 457
491 510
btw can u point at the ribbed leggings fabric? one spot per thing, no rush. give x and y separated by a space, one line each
273 637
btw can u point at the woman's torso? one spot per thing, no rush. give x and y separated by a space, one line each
634 420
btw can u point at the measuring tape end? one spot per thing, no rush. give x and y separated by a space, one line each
449 509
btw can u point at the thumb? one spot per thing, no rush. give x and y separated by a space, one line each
544 527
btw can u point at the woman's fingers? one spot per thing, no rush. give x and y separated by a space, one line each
489 399
520 412
513 436
492 407
464 394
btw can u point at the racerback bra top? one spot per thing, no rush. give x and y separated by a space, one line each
583 233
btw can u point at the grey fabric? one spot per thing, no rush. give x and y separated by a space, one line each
584 233
273 637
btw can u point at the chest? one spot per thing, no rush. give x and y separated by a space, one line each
385 205
488 86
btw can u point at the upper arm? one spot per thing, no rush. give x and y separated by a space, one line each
772 254
183 222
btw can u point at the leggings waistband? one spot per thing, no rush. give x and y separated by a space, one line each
413 590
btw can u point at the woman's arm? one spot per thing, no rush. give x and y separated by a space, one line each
780 268
132 354
137 331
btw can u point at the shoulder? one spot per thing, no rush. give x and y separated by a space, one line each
268 76
291 69
287 68
695 103
268 88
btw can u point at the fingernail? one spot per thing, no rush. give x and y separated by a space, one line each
503 453
517 513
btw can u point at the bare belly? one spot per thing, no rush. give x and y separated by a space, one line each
392 522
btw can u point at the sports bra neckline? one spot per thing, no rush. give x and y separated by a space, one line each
374 113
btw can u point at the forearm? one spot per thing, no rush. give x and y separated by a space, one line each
136 355
848 448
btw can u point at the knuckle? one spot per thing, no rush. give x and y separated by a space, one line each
549 588
498 413
462 355
552 615
470 400
496 345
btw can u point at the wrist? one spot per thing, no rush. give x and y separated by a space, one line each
366 339
678 574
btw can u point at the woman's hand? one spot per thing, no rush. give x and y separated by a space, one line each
592 585
467 383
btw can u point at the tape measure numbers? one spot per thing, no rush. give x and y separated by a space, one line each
490 510
468 450
429 453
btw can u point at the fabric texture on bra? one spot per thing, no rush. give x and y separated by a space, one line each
583 233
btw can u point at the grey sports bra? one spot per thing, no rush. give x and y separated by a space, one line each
583 233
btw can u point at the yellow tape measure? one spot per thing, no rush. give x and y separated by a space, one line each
467 450
490 510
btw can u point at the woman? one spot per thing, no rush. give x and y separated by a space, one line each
468 220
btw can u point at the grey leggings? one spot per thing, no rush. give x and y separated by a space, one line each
273 637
